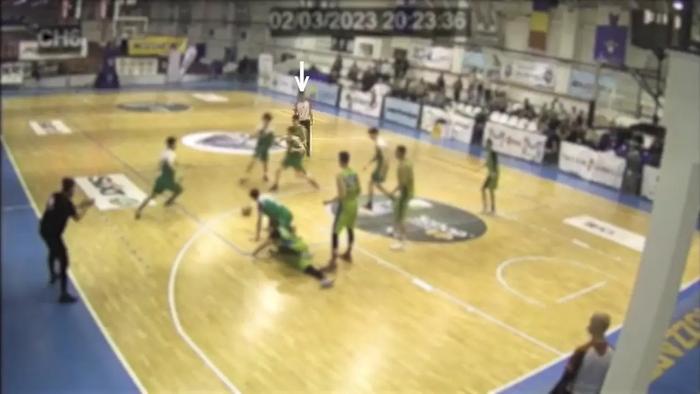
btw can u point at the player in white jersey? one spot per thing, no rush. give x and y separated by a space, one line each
302 109
586 370
166 179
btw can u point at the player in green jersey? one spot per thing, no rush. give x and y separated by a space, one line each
349 190
294 157
292 249
166 180
277 214
401 196
265 140
381 166
491 181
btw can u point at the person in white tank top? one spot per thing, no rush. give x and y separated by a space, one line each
302 109
586 370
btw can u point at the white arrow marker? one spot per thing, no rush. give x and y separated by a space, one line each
301 85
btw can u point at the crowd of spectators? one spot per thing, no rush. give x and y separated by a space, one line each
552 119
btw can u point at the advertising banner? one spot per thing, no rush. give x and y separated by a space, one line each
322 92
515 142
284 84
528 73
401 111
110 192
63 40
650 178
600 167
434 57
12 73
430 115
582 84
265 70
461 128
31 51
365 103
473 60
156 45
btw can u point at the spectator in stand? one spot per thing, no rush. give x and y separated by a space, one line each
354 72
655 151
421 89
551 147
605 142
586 370
528 110
336 68
400 65
631 181
457 88
440 83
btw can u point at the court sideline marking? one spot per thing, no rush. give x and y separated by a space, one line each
73 279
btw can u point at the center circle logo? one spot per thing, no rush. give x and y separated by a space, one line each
427 221
227 142
153 107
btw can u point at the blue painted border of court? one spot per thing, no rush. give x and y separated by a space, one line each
46 347
682 378
53 336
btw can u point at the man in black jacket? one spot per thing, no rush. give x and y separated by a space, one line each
59 208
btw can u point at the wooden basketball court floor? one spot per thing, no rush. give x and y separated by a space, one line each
186 308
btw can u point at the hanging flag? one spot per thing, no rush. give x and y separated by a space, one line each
611 42
539 24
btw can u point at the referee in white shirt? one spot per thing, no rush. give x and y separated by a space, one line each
302 108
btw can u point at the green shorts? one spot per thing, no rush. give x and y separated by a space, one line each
379 174
491 182
345 217
295 253
282 220
164 183
261 154
294 160
401 208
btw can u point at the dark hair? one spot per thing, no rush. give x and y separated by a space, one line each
344 157
67 184
295 117
401 150
170 141
374 130
254 193
267 116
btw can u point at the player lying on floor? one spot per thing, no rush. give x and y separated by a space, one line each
291 249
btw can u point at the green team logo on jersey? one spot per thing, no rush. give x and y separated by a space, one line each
427 221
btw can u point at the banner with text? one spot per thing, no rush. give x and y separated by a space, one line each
12 73
528 73
515 142
650 179
365 103
322 92
430 116
461 128
582 84
265 70
284 84
403 112
600 167
112 191
156 45
434 57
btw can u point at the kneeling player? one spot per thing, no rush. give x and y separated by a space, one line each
294 251
166 179
277 214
